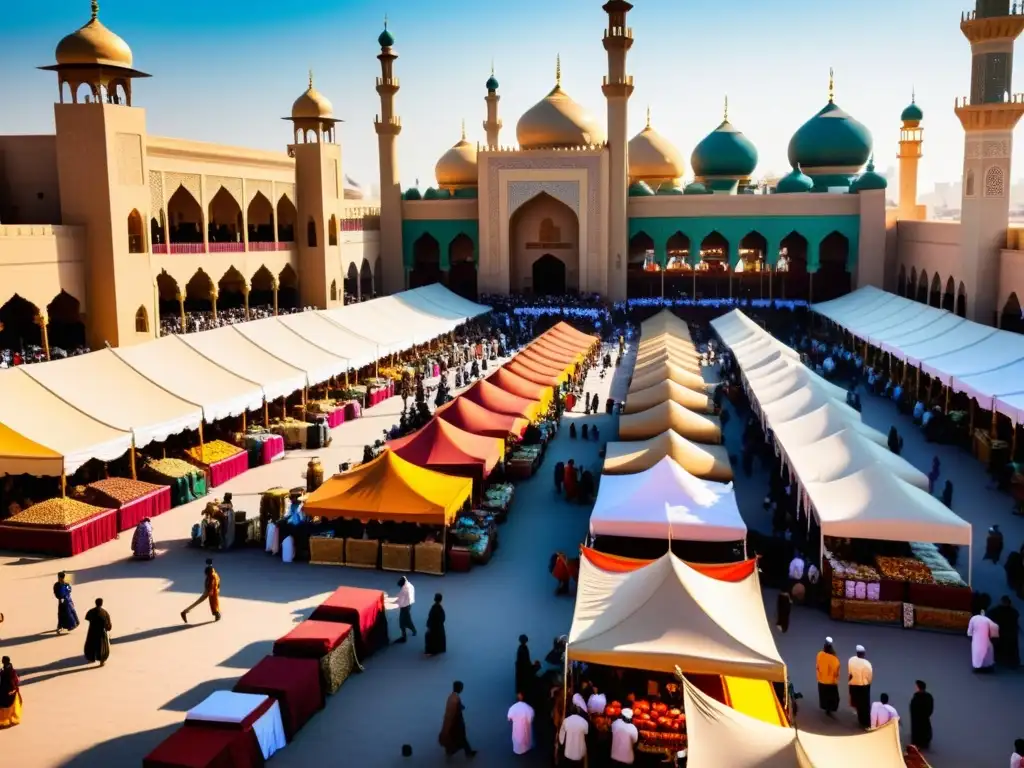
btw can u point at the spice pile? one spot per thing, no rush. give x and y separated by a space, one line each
55 513
172 467
118 491
213 451
904 569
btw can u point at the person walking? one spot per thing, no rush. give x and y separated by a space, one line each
67 616
624 739
882 712
1007 645
559 477
783 607
97 641
436 640
933 474
211 592
573 738
993 544
453 728
524 665
521 716
10 694
922 705
947 494
826 667
142 541
406 598
859 678
981 629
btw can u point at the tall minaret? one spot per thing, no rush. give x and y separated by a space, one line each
911 139
617 87
388 126
988 117
492 126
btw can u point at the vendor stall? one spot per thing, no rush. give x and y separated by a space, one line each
262 445
220 461
254 713
642 399
293 683
697 427
443 447
187 482
196 746
708 462
493 398
654 357
471 417
134 500
521 369
659 372
330 642
60 527
364 610
517 385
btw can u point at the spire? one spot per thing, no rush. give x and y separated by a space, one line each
385 22
492 66
558 70
311 78
913 95
726 118
871 163
95 10
648 115
831 86
463 129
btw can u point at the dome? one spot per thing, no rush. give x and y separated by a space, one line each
557 121
794 181
696 188
94 44
436 194
670 188
457 166
912 114
831 139
492 81
385 38
312 105
640 189
652 157
869 180
353 190
724 152
412 193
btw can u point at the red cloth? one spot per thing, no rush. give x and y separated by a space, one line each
312 639
150 505
58 542
196 746
475 418
363 609
498 400
721 571
226 469
293 683
273 447
336 418
940 596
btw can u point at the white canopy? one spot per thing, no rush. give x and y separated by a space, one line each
445 299
390 323
666 502
101 385
321 331
176 367
283 343
995 350
994 385
844 453
930 327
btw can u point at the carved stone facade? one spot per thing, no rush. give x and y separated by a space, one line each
520 192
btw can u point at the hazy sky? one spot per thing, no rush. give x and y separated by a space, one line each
227 71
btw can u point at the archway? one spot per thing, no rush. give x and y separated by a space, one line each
186 217
334 290
168 290
141 320
462 270
311 238
548 276
712 271
643 274
198 291
543 226
136 233
901 282
351 284
832 279
961 300
66 329
935 296
261 291
426 262
157 230
286 217
791 268
912 284
922 287
1011 318
332 231
288 292
225 218
18 328
365 281
678 277
949 296
748 279
229 290
260 215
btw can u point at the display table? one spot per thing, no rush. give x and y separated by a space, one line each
459 560
60 542
380 394
396 557
336 417
152 504
362 553
363 609
227 469
326 551
273 448
429 558
940 596
293 683
230 710
352 410
871 611
196 746
331 643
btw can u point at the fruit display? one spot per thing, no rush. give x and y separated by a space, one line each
171 467
321 406
659 725
213 451
118 491
55 513
851 571
873 611
904 569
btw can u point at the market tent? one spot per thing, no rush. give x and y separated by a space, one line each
667 614
666 502
820 423
962 337
420 301
669 415
998 350
555 353
561 344
445 298
683 360
659 372
785 369
777 386
468 416
846 452
498 400
320 331
988 388
102 386
924 328
665 319
176 367
860 303
718 736
709 462
668 341
391 488
781 406
565 330
517 385
278 340
523 370
642 399
42 435
737 571
443 447
236 353
541 364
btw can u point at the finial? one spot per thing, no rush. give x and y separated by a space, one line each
558 69
726 107
492 66
871 163
913 95
311 78
385 22
831 85
95 9
463 129
648 115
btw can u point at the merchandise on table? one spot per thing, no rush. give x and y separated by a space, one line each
55 513
904 569
659 726
117 491
941 618
498 497
873 611
294 432
213 451
187 482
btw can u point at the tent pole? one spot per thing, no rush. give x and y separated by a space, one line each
995 420
243 422
63 483
131 456
946 409
202 449
266 414
917 385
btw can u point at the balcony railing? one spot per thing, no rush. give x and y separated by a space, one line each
192 248
227 247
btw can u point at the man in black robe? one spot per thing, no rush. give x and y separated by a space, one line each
921 707
97 641
524 666
1007 647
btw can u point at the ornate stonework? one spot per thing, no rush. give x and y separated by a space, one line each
190 181
156 194
996 149
972 149
994 182
232 185
520 192
283 189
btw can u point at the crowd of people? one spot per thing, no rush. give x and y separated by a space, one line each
170 324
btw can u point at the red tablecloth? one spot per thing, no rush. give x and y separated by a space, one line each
196 746
294 683
61 543
312 639
336 417
364 610
150 505
273 446
226 469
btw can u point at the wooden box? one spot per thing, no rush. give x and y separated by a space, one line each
430 558
325 551
396 557
362 553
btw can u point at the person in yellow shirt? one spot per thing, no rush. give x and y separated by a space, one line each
827 667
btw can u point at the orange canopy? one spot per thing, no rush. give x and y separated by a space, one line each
565 329
390 488
566 340
470 417
618 564
547 358
541 364
519 386
524 370
557 341
443 447
561 355
498 400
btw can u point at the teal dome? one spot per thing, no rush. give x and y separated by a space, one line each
466 193
640 189
724 152
794 181
492 83
386 39
670 188
432 194
830 139
912 114
869 180
696 188
412 193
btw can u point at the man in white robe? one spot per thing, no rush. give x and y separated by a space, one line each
521 715
982 630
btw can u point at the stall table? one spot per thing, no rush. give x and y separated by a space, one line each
60 542
331 643
293 683
363 609
273 448
352 410
195 746
221 471
326 550
246 712
152 504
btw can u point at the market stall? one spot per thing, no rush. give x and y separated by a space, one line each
186 481
698 427
276 339
563 330
293 683
655 357
471 417
844 453
523 370
658 341
659 372
443 447
60 527
331 643
493 398
254 713
708 462
364 610
668 390
134 500
542 365
320 330
219 460
520 387
196 746
559 349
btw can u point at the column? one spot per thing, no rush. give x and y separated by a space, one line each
213 302
245 298
42 320
274 285
181 310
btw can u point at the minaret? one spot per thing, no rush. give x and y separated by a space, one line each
388 126
988 117
617 88
492 126
911 139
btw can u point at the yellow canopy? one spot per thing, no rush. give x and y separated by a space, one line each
655 373
708 462
642 399
666 355
670 415
390 488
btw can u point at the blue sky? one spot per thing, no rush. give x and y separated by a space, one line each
226 71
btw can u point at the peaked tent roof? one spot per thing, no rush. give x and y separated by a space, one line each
667 340
555 361
846 452
669 415
319 330
498 400
474 418
642 399
708 462
391 488
659 372
562 328
663 321
684 360
283 343
523 370
666 502
440 443
534 359
550 349
656 366
667 614
519 386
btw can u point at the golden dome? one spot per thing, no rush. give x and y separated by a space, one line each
94 44
653 158
312 105
557 121
457 167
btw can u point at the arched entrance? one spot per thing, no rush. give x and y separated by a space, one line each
168 291
288 294
365 281
66 329
961 300
643 275
198 292
462 274
901 282
186 217
748 279
544 227
1011 319
548 276
949 296
922 287
18 328
261 291
225 217
286 217
230 293
260 215
794 281
832 279
351 284
426 262
935 296
678 272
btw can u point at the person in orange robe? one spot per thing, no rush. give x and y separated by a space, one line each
569 480
211 592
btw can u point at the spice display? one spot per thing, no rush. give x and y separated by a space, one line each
213 451
851 571
116 491
904 569
55 513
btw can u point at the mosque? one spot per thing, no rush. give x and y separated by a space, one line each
104 224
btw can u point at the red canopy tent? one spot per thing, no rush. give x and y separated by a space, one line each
498 400
619 564
540 364
519 386
470 417
554 345
523 370
443 447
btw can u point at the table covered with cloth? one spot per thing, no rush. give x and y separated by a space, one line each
231 710
364 610
196 746
61 542
330 642
273 447
227 469
293 683
152 504
352 410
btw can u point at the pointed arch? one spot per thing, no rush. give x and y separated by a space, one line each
230 289
334 290
949 295
332 230
185 217
168 290
548 275
198 292
378 276
961 300
260 216
1010 318
935 294
136 232
287 216
426 265
141 319
225 217
922 287
544 214
351 282
311 238
753 252
642 268
158 229
901 281
18 328
462 266
365 281
288 291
